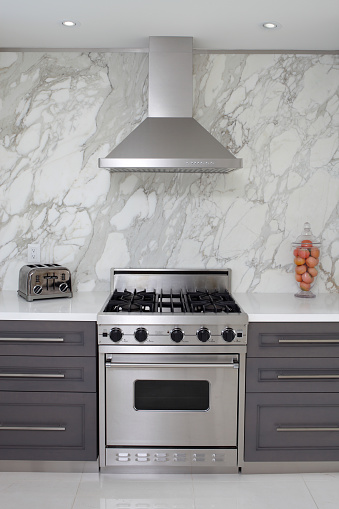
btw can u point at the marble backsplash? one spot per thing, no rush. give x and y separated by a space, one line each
60 111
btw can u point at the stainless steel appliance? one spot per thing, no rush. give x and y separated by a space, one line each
44 281
172 346
170 139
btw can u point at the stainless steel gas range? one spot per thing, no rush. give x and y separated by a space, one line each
172 347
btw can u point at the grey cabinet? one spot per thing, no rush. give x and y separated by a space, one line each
48 386
292 392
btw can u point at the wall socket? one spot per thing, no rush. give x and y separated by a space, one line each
33 253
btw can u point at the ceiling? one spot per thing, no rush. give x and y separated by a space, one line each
127 24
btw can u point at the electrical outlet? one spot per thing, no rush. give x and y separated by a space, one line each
33 253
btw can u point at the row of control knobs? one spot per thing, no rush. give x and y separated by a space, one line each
176 334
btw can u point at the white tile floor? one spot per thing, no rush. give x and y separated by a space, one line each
108 491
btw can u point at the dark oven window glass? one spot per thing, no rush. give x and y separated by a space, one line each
171 395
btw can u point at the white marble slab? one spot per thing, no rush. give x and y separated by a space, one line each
60 111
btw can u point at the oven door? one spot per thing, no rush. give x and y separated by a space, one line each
171 400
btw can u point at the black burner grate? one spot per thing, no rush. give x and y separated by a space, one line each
172 302
127 301
211 302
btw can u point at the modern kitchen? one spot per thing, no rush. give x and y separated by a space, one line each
169 256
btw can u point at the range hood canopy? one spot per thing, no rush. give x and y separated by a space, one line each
170 140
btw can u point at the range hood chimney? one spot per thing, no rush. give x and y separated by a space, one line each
170 140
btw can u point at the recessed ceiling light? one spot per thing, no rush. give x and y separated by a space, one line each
69 23
270 24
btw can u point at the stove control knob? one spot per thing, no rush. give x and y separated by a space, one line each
203 334
116 334
141 334
228 334
177 334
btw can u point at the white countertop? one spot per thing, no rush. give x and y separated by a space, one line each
260 307
83 306
285 307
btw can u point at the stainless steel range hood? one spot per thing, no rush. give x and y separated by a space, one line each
170 140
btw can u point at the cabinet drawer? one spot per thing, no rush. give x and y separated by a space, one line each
292 427
47 338
292 375
48 426
72 374
293 340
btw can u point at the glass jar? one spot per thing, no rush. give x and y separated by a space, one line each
306 251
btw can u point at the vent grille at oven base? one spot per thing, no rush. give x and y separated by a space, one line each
191 458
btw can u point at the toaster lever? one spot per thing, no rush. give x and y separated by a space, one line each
53 278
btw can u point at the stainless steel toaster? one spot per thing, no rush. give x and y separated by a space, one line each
47 281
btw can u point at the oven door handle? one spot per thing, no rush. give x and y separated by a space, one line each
169 365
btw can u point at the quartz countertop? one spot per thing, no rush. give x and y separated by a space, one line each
83 306
285 307
260 307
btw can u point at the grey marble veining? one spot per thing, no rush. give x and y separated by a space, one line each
61 111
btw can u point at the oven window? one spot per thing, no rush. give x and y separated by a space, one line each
171 395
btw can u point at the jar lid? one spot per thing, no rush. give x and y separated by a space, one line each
307 237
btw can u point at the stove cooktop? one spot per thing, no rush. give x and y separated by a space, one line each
171 307
199 301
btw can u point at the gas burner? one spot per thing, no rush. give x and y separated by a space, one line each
211 302
131 302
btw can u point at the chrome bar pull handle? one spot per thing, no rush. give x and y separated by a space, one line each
307 377
32 428
306 429
32 375
308 341
34 340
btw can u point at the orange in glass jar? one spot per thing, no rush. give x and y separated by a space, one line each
315 252
299 261
312 262
307 278
312 271
303 253
300 269
305 286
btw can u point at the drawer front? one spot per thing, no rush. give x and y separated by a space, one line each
288 427
293 340
72 374
48 426
47 338
292 375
